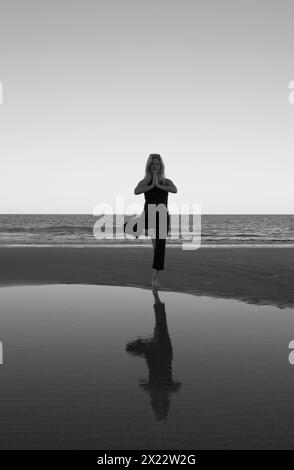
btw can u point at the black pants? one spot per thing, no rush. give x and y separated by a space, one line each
160 243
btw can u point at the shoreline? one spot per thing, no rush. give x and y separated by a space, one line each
147 245
261 276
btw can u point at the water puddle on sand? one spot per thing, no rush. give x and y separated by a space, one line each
106 367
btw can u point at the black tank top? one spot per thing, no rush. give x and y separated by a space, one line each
156 195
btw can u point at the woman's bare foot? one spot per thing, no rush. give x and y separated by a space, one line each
155 278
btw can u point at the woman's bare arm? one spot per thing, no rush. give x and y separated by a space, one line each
169 186
143 188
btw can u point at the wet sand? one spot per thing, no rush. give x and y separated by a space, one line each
255 275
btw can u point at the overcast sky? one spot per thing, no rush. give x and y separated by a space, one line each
91 87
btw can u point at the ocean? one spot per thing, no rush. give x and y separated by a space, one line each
227 230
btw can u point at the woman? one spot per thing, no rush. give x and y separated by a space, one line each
156 187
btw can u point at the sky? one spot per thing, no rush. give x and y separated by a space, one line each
92 87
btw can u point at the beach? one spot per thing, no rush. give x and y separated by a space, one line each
94 358
262 276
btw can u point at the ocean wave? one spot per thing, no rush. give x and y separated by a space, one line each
51 228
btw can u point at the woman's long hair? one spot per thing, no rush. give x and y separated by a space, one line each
148 174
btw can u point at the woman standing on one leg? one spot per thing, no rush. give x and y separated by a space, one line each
156 187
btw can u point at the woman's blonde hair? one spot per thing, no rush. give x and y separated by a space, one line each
148 174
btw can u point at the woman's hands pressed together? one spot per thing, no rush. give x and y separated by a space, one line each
168 186
155 180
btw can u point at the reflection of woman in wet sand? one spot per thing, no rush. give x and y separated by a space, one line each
158 353
156 187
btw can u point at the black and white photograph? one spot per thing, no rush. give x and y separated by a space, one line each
146 227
